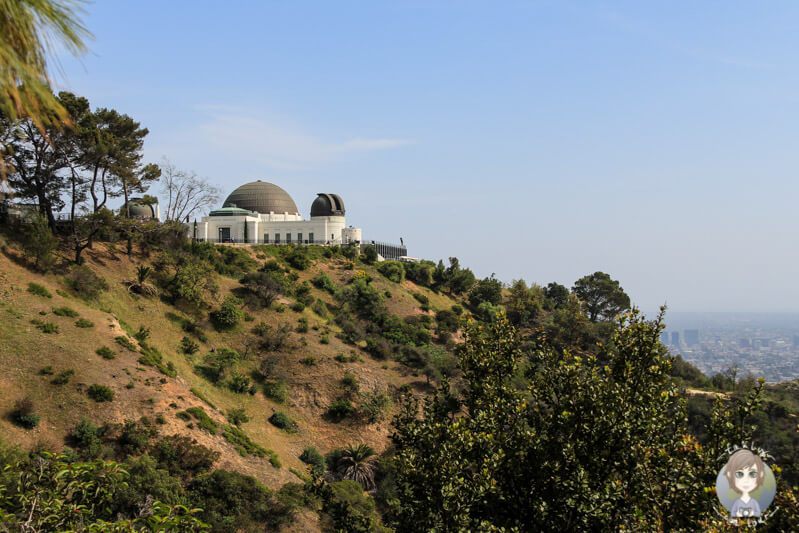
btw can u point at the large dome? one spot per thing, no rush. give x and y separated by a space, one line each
263 197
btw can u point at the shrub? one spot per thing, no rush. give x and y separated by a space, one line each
181 456
237 416
350 381
46 370
322 281
63 378
320 308
325 339
85 282
142 334
340 409
100 393
274 339
228 315
378 348
45 327
308 361
188 346
392 270
302 325
314 459
39 244
298 307
23 414
244 445
281 420
86 434
201 396
83 323
265 286
421 298
105 352
203 420
65 311
135 436
374 406
369 254
39 290
239 383
276 390
125 342
298 258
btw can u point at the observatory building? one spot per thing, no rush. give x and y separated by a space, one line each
262 213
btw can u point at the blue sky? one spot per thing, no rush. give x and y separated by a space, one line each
654 141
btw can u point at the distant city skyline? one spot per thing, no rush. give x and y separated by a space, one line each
534 140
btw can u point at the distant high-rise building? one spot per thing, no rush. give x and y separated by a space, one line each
675 338
744 343
691 337
664 337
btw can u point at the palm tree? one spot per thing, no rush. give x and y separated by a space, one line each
30 30
356 463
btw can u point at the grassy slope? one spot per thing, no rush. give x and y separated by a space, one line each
24 350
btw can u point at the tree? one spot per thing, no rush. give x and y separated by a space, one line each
557 294
602 296
588 446
356 463
186 192
29 31
38 243
369 255
486 290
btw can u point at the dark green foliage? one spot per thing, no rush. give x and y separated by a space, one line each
447 321
314 459
39 244
105 352
203 420
302 325
454 279
142 334
135 436
557 294
188 346
228 316
235 502
320 308
276 390
46 370
100 393
349 508
392 270
322 281
237 416
218 362
63 378
420 273
402 332
183 457
125 342
88 438
45 327
239 383
378 348
525 304
150 479
265 286
350 381
150 356
201 396
65 311
85 282
83 323
298 307
298 258
374 406
191 280
341 409
274 339
364 298
486 290
24 414
226 260
602 296
243 444
421 298
308 361
687 372
369 254
283 421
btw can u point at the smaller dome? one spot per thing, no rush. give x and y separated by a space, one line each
139 210
327 205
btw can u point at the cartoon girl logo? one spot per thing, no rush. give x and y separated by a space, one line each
746 485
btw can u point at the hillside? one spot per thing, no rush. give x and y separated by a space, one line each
316 364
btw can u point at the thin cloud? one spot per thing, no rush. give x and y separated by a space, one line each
277 145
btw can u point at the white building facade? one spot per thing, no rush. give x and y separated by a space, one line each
262 213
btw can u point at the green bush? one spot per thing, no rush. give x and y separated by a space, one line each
421 298
100 393
281 420
63 378
298 307
350 381
188 346
201 396
142 334
392 270
276 390
320 308
181 456
228 315
39 290
239 383
203 420
105 352
244 445
324 340
378 348
23 414
341 409
314 459
237 416
369 254
298 258
83 323
65 311
46 370
125 342
374 406
322 281
308 361
302 325
85 282
45 327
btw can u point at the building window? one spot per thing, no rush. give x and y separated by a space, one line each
299 238
266 238
288 237
310 238
277 237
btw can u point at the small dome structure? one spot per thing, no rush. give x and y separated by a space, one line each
327 205
263 197
138 209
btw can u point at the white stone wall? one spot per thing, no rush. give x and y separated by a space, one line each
324 229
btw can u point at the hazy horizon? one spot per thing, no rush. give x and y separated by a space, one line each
535 140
